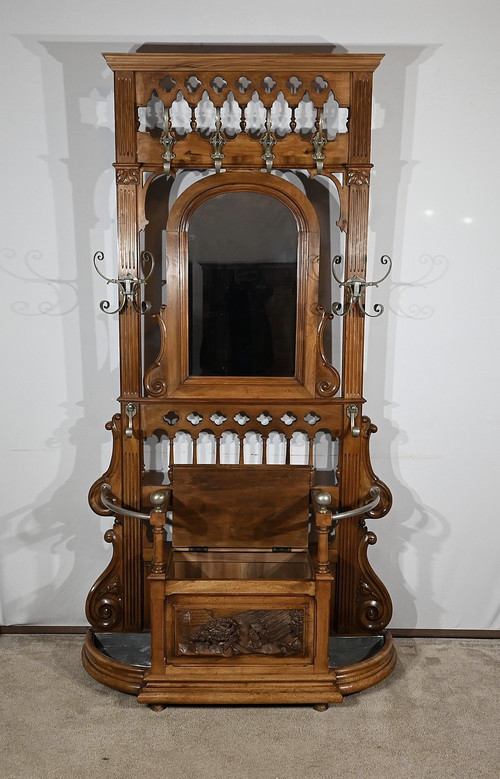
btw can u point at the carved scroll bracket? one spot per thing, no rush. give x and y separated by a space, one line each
104 608
328 382
155 381
337 179
373 603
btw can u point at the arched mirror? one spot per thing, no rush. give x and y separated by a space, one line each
242 286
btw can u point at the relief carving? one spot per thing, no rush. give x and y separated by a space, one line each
274 632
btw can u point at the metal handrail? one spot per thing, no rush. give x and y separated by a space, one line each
322 503
110 504
375 493
114 507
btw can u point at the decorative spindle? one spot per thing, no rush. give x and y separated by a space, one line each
128 286
356 288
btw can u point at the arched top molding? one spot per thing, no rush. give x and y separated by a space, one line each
244 181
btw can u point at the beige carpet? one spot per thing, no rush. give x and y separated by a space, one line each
436 716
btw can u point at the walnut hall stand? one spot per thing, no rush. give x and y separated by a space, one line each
240 478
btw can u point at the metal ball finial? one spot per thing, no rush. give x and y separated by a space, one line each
323 500
158 498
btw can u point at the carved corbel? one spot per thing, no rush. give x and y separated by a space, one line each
113 475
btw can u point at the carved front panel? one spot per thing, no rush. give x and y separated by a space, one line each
228 628
274 632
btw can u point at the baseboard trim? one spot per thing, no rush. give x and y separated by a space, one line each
43 629
396 632
431 633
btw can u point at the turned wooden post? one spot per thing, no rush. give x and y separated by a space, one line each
323 576
156 578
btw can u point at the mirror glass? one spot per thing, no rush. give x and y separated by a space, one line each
242 286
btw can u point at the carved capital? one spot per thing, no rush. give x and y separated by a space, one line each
127 176
359 177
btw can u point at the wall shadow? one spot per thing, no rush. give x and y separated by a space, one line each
411 525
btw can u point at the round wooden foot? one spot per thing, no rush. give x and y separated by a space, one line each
157 706
321 706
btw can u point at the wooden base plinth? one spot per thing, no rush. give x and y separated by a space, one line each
319 690
216 691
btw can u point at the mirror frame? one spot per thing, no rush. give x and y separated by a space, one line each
179 382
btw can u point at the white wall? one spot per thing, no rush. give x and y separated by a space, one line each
432 359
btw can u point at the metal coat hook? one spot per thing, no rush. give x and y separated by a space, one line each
128 286
131 411
352 412
318 141
268 141
217 140
167 140
356 287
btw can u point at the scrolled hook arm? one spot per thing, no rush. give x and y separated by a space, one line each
384 260
356 288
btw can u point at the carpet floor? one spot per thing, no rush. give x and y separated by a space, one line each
437 716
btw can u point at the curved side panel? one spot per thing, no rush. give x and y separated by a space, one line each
104 607
113 474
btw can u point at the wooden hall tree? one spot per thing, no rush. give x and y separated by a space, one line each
240 478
